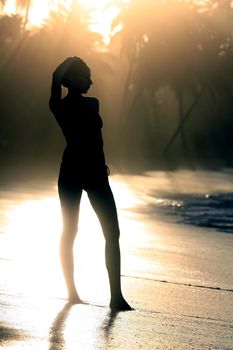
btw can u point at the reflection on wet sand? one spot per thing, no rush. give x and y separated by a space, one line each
96 333
109 323
33 228
56 334
154 249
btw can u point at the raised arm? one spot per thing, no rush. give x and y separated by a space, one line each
56 92
56 89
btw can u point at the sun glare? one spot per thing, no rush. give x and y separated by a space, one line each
102 13
34 228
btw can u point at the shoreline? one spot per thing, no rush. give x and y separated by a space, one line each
177 277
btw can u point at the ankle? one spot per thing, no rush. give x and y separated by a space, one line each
120 304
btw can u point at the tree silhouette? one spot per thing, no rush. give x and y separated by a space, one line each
179 44
26 5
179 58
27 60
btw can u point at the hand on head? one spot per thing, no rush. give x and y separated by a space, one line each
62 68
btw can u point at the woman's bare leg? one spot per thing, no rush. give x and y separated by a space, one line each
70 203
103 203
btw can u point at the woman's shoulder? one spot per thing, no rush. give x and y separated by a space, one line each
93 102
91 99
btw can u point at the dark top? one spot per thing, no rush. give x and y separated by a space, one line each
83 158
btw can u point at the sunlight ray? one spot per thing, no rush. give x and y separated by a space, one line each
101 13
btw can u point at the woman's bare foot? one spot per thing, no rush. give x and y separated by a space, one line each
120 304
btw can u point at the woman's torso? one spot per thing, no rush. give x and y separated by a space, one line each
83 158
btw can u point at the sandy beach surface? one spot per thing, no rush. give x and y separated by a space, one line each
177 275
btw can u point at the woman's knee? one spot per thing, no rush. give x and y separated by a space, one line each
111 233
69 232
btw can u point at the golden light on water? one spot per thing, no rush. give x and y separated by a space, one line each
35 314
31 227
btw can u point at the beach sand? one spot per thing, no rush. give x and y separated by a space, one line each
177 277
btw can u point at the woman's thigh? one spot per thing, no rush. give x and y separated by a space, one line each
70 197
103 203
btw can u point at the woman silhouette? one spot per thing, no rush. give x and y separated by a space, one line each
83 168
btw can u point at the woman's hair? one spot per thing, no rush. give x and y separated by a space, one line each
77 67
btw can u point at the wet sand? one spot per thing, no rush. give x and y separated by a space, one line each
179 278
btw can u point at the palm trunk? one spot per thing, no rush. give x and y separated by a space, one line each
27 10
184 120
181 115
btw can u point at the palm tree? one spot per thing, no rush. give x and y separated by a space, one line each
26 5
175 43
22 4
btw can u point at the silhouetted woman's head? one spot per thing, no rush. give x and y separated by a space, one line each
77 76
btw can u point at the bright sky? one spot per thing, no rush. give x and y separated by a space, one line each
102 12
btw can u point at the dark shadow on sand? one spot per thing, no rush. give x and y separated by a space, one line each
10 334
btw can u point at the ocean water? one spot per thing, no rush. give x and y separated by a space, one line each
153 208
206 210
199 198
179 280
